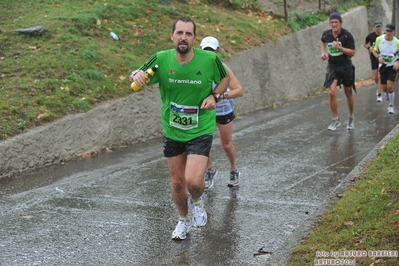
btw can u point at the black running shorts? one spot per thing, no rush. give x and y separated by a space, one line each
344 76
387 73
201 146
374 63
225 119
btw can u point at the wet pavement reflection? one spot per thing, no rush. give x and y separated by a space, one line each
117 209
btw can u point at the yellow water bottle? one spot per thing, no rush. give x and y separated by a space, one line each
147 75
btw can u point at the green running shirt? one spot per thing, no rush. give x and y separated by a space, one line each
183 89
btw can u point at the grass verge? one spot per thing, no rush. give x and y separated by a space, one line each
366 218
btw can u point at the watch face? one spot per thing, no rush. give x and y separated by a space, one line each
217 97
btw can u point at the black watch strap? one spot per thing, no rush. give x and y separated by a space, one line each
217 97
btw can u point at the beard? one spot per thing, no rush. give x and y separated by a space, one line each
183 50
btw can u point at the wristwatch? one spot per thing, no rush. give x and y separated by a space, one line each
217 97
134 73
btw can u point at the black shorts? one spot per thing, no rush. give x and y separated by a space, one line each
387 73
344 76
201 146
374 63
225 119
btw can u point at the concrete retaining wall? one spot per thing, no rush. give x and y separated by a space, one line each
277 72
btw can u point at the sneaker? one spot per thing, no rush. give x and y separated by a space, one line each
210 174
379 98
391 110
351 122
199 214
334 124
181 230
234 175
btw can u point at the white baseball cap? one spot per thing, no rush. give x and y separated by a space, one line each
211 42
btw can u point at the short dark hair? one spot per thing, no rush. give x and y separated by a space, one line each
185 19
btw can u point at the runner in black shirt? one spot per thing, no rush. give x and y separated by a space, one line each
338 47
369 45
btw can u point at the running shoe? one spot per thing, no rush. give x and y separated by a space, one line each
199 214
351 122
210 174
181 230
234 176
379 98
391 110
334 124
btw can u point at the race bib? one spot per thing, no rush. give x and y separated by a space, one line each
389 59
183 117
333 51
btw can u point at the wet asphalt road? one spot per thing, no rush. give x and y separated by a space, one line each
117 209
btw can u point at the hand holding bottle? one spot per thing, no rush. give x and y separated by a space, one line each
137 84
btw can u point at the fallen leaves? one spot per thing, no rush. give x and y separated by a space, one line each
89 155
349 223
43 116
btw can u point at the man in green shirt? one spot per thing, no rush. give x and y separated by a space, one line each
185 75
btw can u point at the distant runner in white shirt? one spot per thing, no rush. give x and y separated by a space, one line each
386 50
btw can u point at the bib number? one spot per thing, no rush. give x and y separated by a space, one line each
183 117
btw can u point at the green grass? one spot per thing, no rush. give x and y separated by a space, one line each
76 65
365 218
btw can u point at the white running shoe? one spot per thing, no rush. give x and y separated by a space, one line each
391 110
210 174
379 98
234 176
334 124
351 122
181 230
199 214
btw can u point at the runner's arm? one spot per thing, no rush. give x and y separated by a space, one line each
236 89
324 54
